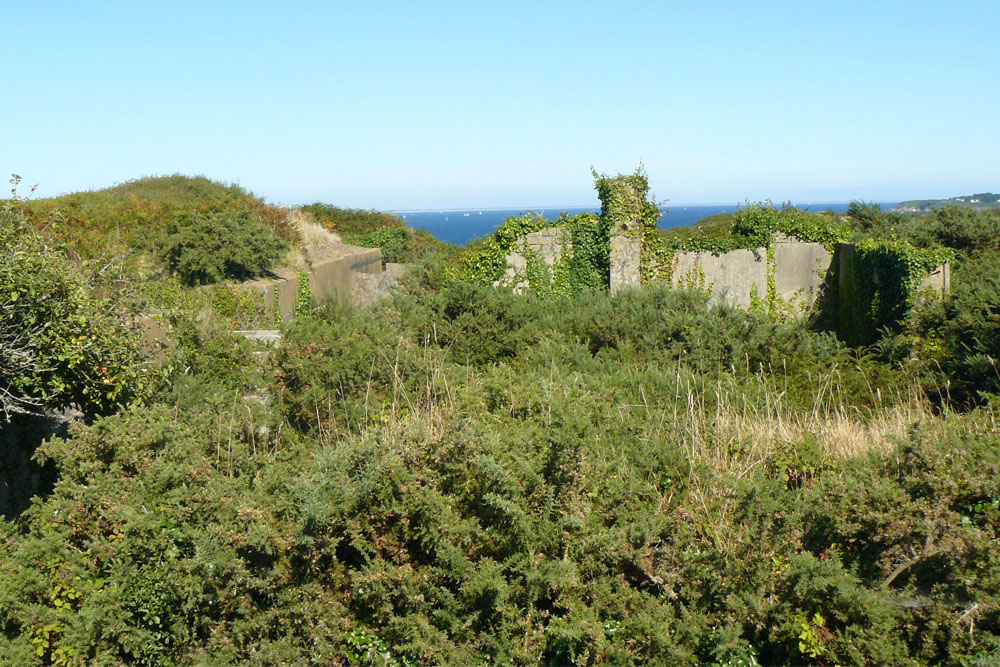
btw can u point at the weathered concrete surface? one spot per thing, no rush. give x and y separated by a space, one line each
939 280
731 277
370 288
800 271
332 275
625 256
548 244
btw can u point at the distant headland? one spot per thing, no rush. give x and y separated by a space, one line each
982 200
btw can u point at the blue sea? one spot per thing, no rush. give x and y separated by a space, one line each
462 226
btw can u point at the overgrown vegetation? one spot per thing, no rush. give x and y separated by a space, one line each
105 222
377 229
463 475
203 248
60 344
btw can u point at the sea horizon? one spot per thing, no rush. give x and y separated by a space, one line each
460 226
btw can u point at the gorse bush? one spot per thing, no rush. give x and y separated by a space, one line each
956 340
394 242
462 475
351 221
637 479
205 248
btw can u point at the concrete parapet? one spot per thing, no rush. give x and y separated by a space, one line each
333 277
330 276
732 277
800 271
939 280
270 337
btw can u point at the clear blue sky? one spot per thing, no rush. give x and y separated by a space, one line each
435 104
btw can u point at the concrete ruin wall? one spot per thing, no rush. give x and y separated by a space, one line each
731 277
329 277
624 261
800 270
547 244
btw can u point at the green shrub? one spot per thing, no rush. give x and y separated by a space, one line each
204 248
967 229
117 219
60 344
394 242
956 341
351 221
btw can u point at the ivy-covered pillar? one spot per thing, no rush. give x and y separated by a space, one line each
631 214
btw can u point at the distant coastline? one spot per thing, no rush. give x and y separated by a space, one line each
461 226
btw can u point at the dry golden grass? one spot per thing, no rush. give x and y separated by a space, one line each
316 242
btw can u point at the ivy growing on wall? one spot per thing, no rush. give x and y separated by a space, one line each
487 264
882 284
303 300
583 264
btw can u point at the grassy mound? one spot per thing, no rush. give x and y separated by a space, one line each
116 219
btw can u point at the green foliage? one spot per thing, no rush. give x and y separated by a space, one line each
870 219
60 344
117 219
352 221
204 248
303 299
393 241
478 477
486 263
627 206
885 277
956 340
967 230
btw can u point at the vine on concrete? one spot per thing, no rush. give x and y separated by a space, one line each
303 300
883 284
583 264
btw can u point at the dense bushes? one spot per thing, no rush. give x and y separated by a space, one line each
60 345
113 220
466 475
480 477
208 247
956 341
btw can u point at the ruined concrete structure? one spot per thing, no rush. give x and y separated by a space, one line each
546 244
800 271
337 271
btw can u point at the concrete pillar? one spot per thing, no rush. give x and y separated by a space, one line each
626 252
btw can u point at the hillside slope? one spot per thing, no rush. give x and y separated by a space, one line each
979 201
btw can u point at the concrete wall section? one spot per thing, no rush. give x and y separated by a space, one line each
626 255
332 278
547 243
800 271
939 280
731 277
286 286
